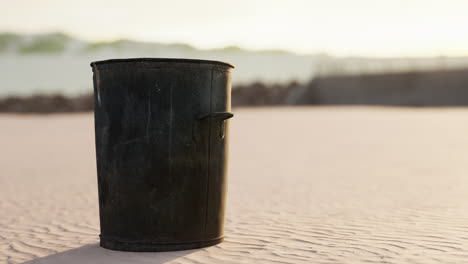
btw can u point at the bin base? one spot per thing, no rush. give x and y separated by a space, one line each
114 244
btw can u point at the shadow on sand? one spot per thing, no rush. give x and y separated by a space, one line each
93 253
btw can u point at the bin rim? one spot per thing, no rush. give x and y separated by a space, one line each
194 61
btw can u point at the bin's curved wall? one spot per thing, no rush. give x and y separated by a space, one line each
161 169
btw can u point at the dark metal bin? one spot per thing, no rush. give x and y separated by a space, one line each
161 146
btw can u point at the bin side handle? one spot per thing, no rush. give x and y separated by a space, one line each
216 115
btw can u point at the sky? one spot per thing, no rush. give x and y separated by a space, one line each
383 28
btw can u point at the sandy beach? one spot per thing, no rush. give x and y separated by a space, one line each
306 185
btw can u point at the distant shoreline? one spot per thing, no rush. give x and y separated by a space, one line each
413 89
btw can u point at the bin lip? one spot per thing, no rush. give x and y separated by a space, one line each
195 61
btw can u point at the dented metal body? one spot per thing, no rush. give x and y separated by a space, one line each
161 145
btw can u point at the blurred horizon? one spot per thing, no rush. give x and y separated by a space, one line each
399 52
361 28
59 62
227 47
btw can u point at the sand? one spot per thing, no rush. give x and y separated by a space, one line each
306 185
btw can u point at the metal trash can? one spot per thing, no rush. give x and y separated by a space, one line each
161 149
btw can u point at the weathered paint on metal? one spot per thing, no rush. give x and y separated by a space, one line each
161 146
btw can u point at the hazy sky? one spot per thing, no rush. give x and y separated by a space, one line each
339 27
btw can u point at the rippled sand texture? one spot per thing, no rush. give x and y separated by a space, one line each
307 185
